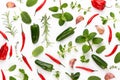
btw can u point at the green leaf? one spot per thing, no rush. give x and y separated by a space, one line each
94 78
61 22
53 9
61 48
58 15
117 35
100 49
83 59
117 58
97 40
75 76
85 32
80 39
91 36
68 16
70 44
112 15
85 48
37 51
11 78
25 77
22 71
31 3
104 20
64 5
12 68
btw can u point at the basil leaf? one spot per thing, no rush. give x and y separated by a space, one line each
64 5
117 35
31 3
68 16
97 40
100 49
117 58
80 39
76 76
37 51
58 15
11 78
53 9
112 14
61 22
25 77
91 36
22 71
94 78
12 68
85 32
85 48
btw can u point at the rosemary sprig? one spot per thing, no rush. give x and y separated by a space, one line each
46 29
8 24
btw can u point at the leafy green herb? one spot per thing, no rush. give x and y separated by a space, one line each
97 40
57 74
91 36
37 51
63 49
45 25
11 78
68 16
80 39
74 76
94 78
31 3
8 24
117 35
84 59
100 49
64 5
104 20
112 15
12 68
24 74
85 48
53 9
117 58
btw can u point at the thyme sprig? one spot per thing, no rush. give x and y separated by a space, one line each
8 24
45 25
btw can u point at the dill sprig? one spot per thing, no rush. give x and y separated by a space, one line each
45 25
8 24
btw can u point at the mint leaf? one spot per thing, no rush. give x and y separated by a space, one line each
97 40
80 39
53 9
91 36
100 49
68 16
85 48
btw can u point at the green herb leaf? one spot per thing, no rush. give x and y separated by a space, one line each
37 51
112 15
94 78
75 76
97 40
25 75
100 49
91 36
12 68
22 71
53 9
80 39
85 32
58 15
117 58
31 3
83 59
104 20
117 35
70 44
85 48
61 22
11 78
64 5
57 74
68 16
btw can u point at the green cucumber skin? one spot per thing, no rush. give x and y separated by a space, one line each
69 31
35 33
100 62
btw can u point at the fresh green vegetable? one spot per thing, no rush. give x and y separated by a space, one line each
117 58
74 76
11 78
68 16
97 40
44 65
117 35
53 9
94 78
99 61
66 33
37 51
26 77
25 17
85 48
34 33
12 68
64 5
31 3
100 49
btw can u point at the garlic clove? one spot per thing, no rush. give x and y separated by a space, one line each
10 5
100 29
79 19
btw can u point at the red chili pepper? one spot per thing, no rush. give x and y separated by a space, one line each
23 39
3 75
54 59
4 35
26 61
112 52
10 54
110 34
91 18
41 76
3 52
86 69
40 6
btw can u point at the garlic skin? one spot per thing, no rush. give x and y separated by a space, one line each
109 76
79 19
100 29
72 62
10 4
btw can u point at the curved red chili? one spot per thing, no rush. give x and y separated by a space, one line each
41 76
91 18
54 59
26 61
86 69
113 51
40 6
110 34
11 52
3 75
4 35
23 39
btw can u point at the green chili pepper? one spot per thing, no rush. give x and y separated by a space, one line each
35 33
100 62
44 65
66 33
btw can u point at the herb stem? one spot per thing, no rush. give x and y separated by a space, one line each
90 46
60 5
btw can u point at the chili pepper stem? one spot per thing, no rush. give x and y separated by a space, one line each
90 46
62 65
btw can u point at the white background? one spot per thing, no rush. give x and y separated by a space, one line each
55 29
